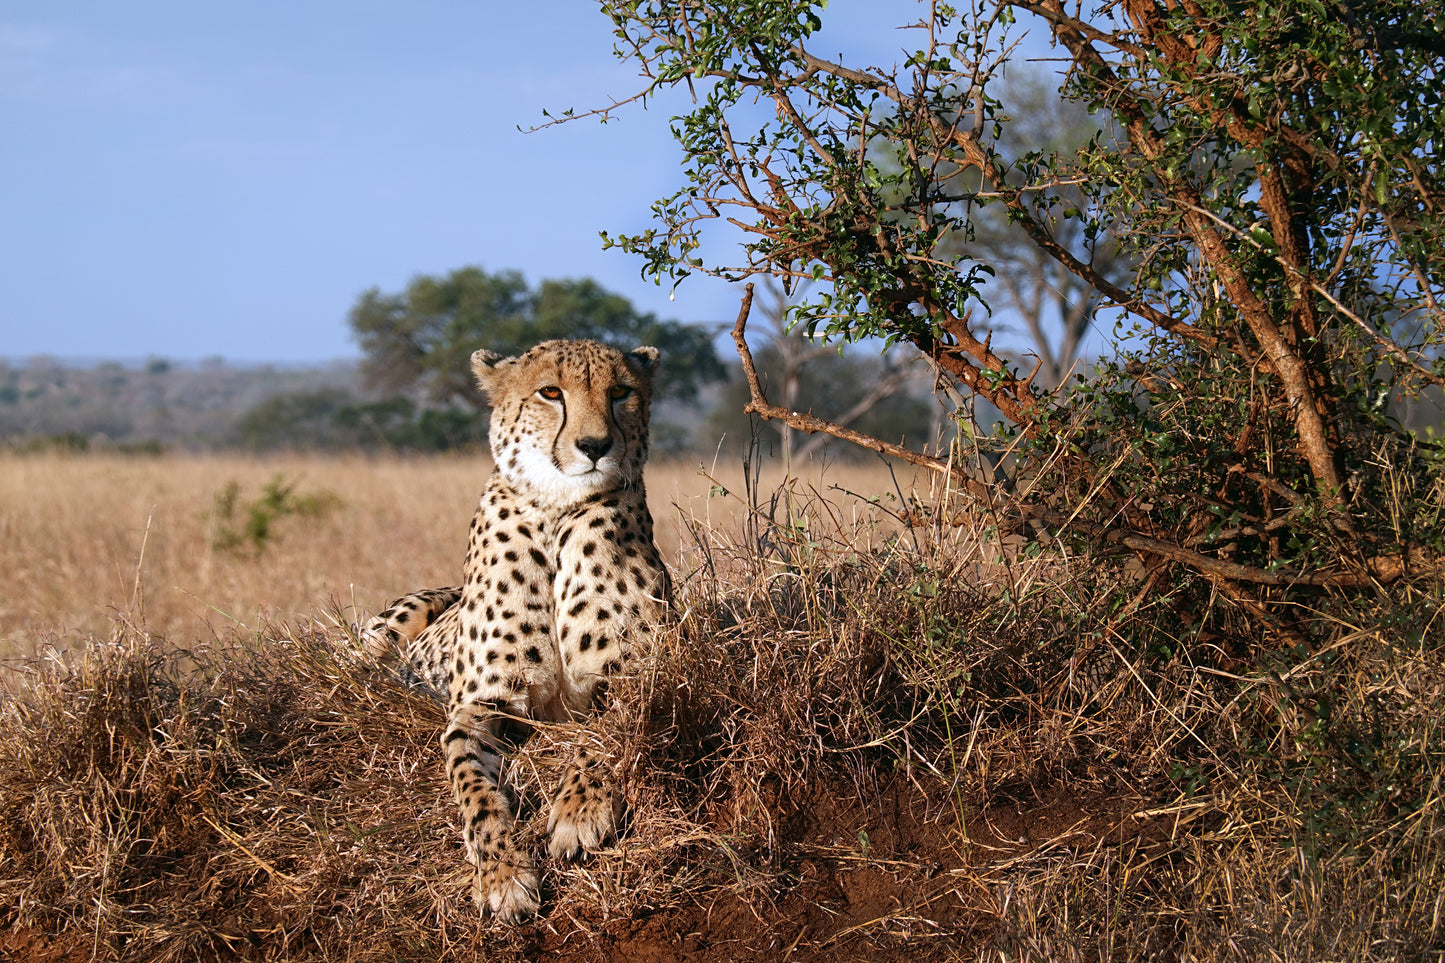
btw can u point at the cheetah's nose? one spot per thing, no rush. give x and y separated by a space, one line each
594 448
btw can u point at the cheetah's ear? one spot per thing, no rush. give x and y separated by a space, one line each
487 365
645 358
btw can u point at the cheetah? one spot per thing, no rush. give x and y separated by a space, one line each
562 585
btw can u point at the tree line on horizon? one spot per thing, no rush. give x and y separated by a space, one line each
412 390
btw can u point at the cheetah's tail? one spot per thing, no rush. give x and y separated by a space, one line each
388 634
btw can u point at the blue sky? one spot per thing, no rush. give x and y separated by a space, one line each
189 179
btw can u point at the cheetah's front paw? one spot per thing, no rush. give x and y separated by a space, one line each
507 890
584 815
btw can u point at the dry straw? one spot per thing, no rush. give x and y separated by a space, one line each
860 740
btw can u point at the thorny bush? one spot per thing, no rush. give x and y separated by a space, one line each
1270 172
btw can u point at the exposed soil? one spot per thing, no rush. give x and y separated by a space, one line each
25 946
859 882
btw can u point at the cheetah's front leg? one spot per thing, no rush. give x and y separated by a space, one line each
609 589
587 810
505 883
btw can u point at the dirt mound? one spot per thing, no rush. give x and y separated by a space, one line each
863 761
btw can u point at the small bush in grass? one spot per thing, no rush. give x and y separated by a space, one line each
250 526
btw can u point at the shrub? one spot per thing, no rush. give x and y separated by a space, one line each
250 527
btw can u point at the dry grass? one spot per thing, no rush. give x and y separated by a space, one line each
857 744
88 539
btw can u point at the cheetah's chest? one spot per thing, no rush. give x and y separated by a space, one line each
551 599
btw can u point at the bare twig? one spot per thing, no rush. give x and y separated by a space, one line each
759 405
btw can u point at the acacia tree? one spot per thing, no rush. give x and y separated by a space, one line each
420 340
1272 170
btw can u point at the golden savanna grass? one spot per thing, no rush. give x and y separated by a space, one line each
87 541
861 740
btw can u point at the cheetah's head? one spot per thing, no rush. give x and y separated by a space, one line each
569 418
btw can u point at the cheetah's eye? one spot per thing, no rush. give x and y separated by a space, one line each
618 392
551 393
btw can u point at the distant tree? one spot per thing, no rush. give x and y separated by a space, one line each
419 341
1055 305
291 420
332 419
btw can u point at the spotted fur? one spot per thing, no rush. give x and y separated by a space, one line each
562 583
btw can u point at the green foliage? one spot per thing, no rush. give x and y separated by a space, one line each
423 338
1057 308
248 527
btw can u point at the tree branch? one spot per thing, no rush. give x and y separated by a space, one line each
759 405
975 156
1383 568
883 389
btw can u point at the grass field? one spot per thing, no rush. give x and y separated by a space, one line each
89 541
862 740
